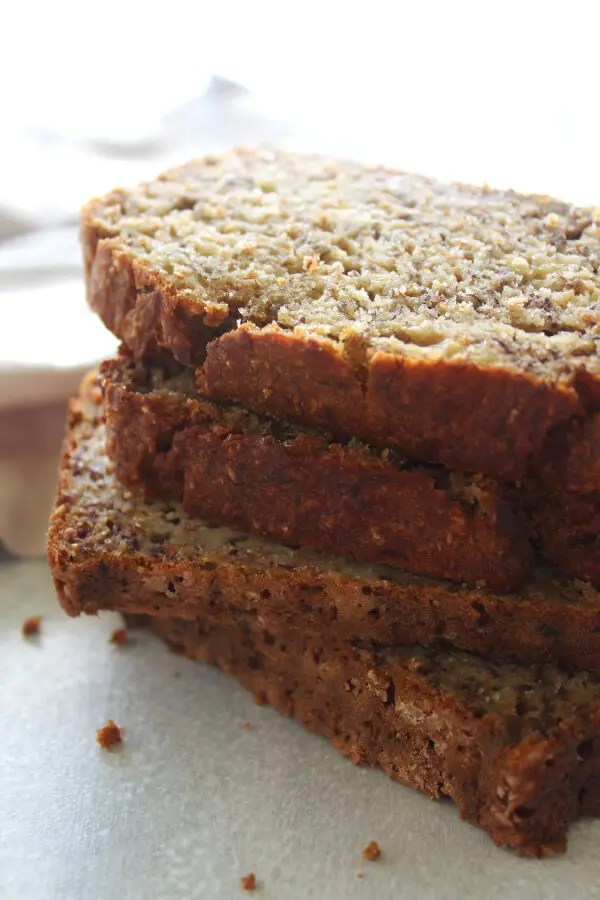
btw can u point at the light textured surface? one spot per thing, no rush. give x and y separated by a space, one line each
193 800
402 262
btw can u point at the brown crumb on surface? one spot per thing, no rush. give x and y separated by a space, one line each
32 625
249 882
245 724
371 852
108 736
119 637
359 875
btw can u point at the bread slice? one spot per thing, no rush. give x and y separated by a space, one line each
233 468
458 324
111 550
516 747
567 528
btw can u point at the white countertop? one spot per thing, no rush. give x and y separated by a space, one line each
193 800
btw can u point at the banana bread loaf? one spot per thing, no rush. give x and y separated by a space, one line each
516 747
458 324
231 467
111 550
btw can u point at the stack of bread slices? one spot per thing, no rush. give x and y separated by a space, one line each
350 452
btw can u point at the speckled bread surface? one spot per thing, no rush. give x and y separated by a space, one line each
458 324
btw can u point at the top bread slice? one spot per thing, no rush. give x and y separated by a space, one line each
459 324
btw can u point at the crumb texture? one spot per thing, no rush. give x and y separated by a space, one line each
32 626
249 882
397 260
371 851
119 637
109 736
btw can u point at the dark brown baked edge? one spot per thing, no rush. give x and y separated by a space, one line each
571 457
528 628
494 421
305 491
468 418
553 619
140 309
522 789
569 533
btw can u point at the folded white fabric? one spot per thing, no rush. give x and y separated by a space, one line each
48 336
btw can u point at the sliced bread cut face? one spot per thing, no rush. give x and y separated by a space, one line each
459 324
516 747
108 549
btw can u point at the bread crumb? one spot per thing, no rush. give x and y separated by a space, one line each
371 852
249 882
119 637
108 736
31 626
245 724
359 875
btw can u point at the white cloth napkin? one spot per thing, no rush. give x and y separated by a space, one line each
48 336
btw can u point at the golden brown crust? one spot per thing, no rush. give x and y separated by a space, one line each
109 550
138 307
515 747
299 488
457 414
